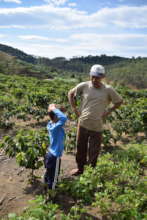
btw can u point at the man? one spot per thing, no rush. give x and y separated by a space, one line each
95 99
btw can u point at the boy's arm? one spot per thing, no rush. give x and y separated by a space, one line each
62 118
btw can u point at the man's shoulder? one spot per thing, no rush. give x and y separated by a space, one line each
107 87
83 84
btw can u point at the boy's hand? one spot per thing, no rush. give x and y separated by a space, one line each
51 107
62 108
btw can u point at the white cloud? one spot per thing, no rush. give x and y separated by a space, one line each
72 4
90 36
41 38
125 16
69 18
111 43
56 2
87 44
12 26
66 31
2 35
13 1
33 37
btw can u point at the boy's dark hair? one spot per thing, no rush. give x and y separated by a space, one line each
52 115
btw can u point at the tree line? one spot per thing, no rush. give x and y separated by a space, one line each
125 70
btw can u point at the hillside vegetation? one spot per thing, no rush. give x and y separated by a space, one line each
17 53
133 72
11 65
128 71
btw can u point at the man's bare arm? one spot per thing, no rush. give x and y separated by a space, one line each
115 106
72 101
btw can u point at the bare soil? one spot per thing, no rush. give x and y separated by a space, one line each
15 191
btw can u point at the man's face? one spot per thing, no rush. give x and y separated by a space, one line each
96 81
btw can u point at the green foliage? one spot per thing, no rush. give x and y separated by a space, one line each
26 98
11 65
38 210
75 213
28 146
70 141
132 72
116 185
17 53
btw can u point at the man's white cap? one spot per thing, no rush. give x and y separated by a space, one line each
97 70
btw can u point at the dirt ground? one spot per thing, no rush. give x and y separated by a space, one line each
15 191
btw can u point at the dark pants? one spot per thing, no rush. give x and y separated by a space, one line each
88 147
52 165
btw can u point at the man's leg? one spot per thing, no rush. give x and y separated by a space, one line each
82 145
94 148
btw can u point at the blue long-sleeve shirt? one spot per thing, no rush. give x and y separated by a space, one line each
57 134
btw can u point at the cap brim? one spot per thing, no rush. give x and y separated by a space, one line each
97 74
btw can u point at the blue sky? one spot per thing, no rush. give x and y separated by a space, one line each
68 28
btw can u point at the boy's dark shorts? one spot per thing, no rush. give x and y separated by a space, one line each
49 160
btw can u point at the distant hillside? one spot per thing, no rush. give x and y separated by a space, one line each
131 71
18 54
76 64
11 65
80 64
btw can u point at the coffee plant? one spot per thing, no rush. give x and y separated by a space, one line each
28 146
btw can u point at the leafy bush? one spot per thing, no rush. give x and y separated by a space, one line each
27 146
115 185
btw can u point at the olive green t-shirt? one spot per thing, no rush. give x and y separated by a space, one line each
94 102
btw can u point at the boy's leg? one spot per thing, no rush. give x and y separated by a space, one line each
94 148
52 165
57 172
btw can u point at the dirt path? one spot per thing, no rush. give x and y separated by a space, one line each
14 188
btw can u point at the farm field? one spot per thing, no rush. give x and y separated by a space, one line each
15 191
115 189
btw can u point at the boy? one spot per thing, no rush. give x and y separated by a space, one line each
55 150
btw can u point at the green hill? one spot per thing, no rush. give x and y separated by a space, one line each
75 64
128 71
12 65
132 72
18 54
